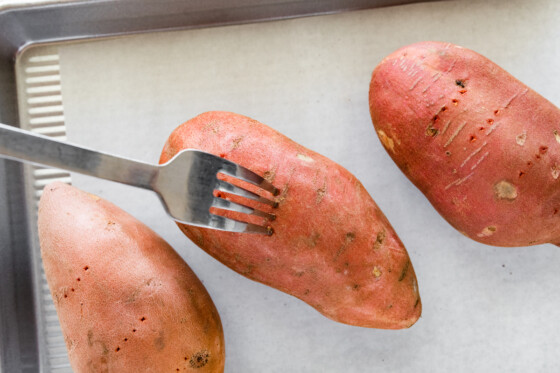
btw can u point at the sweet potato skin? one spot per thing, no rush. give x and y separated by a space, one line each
126 300
332 246
482 146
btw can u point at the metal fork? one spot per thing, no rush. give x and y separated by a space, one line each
186 184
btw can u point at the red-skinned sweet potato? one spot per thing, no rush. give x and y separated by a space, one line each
482 146
126 300
332 246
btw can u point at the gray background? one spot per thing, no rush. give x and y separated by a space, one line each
484 308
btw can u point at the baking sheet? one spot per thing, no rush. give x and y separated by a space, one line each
484 308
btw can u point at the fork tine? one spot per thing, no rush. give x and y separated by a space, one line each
232 225
224 186
233 206
242 173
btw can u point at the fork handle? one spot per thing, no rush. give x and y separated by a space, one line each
37 149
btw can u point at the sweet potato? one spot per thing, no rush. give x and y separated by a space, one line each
126 300
482 146
332 247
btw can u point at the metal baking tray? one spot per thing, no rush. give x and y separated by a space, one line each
120 75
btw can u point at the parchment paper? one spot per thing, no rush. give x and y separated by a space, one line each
485 309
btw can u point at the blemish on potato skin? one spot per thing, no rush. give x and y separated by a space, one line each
312 240
200 359
92 343
281 197
159 342
93 197
386 141
269 175
350 236
133 296
555 171
488 231
376 272
404 271
556 136
90 337
431 131
283 194
320 193
248 269
415 287
379 239
305 158
110 226
211 126
98 367
521 138
505 190
235 143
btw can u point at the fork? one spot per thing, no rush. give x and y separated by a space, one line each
187 185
